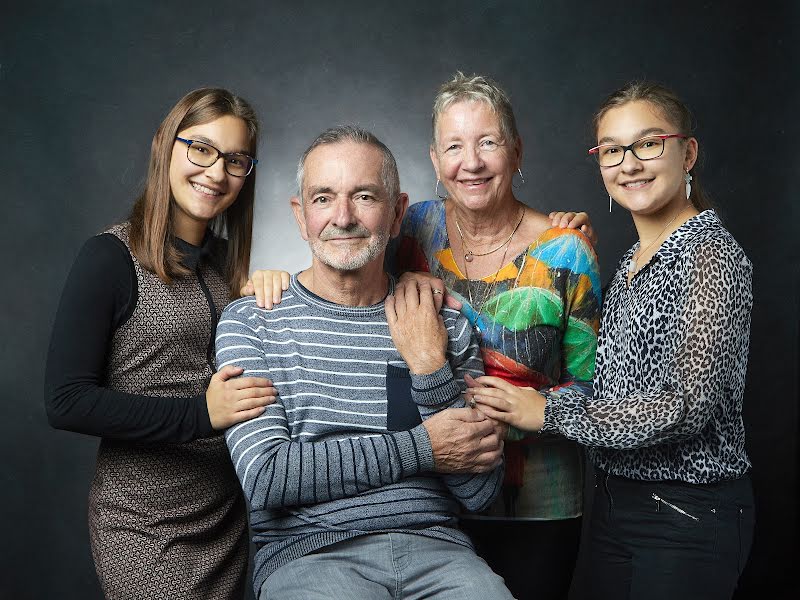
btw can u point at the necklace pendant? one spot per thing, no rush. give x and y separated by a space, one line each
632 266
468 257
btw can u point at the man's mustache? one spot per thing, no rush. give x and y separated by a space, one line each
357 231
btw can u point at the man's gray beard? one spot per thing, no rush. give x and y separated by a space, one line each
356 260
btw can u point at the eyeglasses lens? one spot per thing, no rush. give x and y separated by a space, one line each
644 149
204 155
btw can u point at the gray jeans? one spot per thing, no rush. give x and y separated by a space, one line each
394 566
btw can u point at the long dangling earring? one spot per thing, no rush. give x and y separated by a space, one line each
437 191
688 178
610 201
520 175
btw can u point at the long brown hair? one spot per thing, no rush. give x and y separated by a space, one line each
151 232
672 108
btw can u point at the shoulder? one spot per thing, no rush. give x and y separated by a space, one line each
457 325
714 245
106 254
426 212
564 240
242 309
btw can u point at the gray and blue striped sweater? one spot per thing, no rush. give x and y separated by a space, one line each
322 465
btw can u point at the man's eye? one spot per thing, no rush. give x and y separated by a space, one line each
452 147
319 200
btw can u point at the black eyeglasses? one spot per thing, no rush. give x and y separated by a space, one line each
647 148
203 154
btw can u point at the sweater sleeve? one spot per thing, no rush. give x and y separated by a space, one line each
444 389
710 352
99 295
276 471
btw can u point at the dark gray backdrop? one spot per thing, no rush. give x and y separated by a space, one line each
83 85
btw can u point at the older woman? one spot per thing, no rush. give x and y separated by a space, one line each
532 293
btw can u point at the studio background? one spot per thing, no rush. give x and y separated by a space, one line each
84 84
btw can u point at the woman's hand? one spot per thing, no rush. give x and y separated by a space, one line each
232 400
268 286
440 292
416 326
522 407
573 220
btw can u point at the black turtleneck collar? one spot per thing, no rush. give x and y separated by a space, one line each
193 255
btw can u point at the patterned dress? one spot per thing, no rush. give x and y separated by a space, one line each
538 319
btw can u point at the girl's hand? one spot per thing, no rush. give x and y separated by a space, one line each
522 407
268 286
232 400
573 220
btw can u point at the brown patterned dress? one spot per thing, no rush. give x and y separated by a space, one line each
167 520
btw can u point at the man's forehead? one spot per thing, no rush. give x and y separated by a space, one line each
344 163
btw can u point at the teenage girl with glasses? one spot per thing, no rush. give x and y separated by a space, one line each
673 510
131 361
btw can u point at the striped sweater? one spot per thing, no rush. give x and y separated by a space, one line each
342 453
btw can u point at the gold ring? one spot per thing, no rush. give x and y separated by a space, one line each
435 291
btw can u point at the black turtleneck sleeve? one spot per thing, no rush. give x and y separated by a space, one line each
99 296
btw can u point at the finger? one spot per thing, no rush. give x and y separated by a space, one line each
470 381
496 404
452 302
565 219
285 277
579 218
425 297
411 295
400 300
245 415
496 382
277 286
555 218
466 415
247 289
257 279
250 382
227 372
250 403
254 393
389 306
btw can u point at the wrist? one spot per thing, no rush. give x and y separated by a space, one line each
426 364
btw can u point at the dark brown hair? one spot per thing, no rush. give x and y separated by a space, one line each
672 108
151 217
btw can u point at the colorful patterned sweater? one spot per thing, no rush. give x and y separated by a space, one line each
538 327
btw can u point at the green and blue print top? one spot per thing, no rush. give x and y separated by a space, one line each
538 325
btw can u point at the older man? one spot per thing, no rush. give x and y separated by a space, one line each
356 474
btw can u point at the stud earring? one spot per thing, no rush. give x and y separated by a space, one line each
688 178
436 191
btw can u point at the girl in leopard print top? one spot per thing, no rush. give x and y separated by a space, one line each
673 513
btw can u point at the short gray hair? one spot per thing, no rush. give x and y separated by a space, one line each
352 133
476 88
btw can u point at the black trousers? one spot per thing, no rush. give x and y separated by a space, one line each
668 540
535 558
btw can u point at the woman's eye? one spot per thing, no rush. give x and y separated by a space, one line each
610 150
235 161
201 149
648 143
489 144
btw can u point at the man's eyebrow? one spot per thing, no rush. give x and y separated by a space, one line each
640 135
319 189
372 188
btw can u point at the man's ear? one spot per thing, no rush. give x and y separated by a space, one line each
400 208
299 215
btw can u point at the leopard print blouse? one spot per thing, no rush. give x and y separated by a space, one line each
671 364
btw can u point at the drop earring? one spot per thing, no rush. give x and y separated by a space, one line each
436 191
520 175
610 202
688 178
